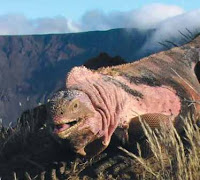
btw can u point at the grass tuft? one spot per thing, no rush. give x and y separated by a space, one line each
30 153
173 155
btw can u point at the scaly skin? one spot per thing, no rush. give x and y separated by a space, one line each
160 88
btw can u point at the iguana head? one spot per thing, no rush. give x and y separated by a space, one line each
74 118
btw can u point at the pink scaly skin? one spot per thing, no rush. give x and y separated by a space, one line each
163 87
110 107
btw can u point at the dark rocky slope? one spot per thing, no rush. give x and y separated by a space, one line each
33 67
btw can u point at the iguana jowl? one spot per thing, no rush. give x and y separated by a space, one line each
157 88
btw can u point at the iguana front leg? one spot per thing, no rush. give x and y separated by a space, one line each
153 120
128 135
131 132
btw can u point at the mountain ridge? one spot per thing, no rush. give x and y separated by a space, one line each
33 67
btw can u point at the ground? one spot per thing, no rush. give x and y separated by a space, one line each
32 153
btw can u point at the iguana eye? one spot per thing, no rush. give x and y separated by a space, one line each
74 105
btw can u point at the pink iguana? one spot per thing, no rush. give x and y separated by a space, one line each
161 87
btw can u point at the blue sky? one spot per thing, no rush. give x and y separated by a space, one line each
65 16
74 9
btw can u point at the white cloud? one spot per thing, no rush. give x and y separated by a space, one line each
57 24
146 17
170 29
166 19
14 24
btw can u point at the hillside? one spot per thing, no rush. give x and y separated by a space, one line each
33 67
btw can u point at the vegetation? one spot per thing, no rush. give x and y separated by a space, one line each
185 37
29 153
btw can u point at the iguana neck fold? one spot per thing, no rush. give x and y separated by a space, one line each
106 101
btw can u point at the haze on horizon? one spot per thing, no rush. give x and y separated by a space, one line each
64 16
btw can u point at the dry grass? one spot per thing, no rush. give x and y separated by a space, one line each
173 156
32 154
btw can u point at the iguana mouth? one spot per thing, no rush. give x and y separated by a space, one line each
66 126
